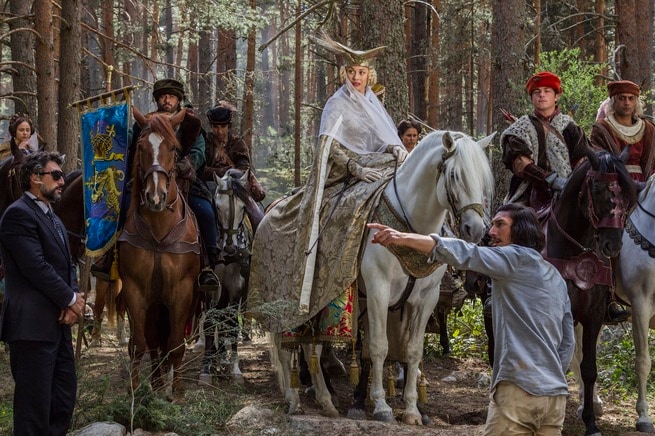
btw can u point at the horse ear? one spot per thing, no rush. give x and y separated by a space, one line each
177 119
593 158
245 176
448 141
486 141
138 117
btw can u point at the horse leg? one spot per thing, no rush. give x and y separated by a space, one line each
575 368
281 361
378 349
209 359
176 345
321 391
358 408
102 288
589 370
121 325
641 313
443 331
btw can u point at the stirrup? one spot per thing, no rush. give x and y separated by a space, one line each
616 313
208 281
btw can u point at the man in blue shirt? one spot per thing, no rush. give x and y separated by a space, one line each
533 325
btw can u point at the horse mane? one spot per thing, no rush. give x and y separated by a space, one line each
467 154
607 163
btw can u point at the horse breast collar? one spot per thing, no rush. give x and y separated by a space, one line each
138 234
585 270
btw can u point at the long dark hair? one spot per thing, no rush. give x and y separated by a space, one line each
525 230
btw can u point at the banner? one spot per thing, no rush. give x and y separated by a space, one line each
104 168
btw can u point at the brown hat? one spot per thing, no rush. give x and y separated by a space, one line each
622 87
545 79
168 86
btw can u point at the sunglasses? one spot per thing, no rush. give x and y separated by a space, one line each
56 174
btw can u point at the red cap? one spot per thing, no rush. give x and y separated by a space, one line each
544 79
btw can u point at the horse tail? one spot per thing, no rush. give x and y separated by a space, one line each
275 340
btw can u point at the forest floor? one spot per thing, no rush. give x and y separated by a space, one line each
457 392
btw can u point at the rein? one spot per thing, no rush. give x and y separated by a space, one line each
229 232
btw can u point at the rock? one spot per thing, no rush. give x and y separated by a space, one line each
101 429
252 420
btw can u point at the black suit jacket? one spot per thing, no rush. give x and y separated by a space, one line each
40 276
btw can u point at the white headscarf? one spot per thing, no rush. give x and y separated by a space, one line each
366 126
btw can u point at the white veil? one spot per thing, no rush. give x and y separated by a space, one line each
366 126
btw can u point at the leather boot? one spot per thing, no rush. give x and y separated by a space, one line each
616 313
207 280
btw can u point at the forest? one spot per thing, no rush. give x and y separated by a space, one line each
451 64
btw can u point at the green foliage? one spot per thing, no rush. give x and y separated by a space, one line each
581 95
616 361
466 330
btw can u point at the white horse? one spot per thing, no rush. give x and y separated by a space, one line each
446 172
635 280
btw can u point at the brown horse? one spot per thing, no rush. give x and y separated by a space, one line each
159 254
70 208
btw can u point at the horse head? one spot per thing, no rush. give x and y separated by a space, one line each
231 199
155 163
465 182
604 193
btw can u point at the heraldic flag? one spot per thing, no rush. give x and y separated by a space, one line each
104 149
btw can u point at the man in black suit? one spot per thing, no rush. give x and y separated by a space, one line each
41 301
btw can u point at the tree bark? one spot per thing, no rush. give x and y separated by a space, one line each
507 73
46 86
249 88
68 134
21 43
380 25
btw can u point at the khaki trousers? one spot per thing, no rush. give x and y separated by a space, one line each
512 411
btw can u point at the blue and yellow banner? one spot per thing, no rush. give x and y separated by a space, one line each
104 168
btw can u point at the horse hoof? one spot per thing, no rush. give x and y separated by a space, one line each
645 427
356 414
426 420
238 379
383 416
199 347
412 419
330 413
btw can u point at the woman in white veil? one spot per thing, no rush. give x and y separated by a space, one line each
306 251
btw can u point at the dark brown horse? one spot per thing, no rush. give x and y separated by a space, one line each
584 231
159 254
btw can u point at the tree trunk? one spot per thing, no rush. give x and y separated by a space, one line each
380 25
205 64
634 31
507 73
21 43
433 87
418 55
107 43
226 65
249 88
68 136
600 43
297 96
46 86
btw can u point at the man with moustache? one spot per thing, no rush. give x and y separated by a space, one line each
42 301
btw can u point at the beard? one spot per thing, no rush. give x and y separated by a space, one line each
52 195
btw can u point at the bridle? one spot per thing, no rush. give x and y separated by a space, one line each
457 213
231 233
156 168
617 216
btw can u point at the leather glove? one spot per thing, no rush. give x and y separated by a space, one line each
185 169
555 182
399 152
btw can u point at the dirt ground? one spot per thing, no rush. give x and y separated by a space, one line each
457 392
